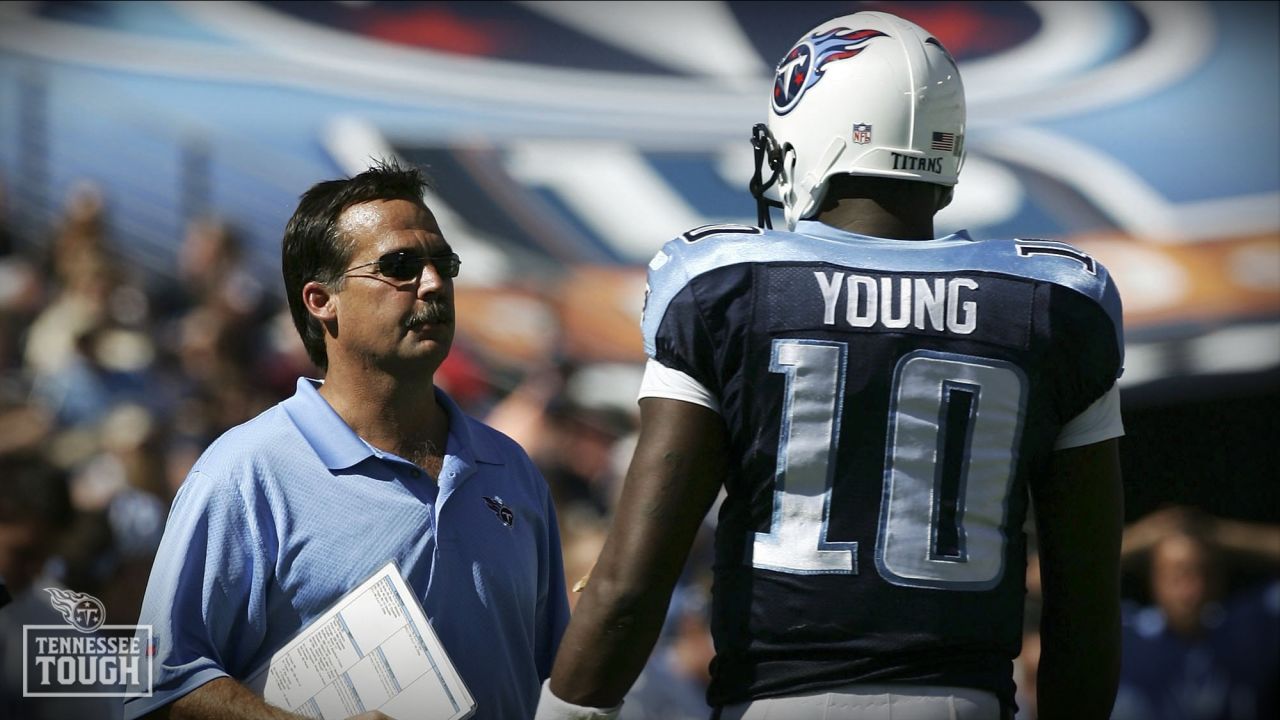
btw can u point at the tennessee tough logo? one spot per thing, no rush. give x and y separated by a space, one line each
802 68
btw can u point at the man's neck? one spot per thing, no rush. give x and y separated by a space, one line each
867 217
399 416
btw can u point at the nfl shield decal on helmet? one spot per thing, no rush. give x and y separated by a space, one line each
861 133
802 68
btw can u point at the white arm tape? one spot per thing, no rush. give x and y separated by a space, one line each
664 382
1100 421
551 707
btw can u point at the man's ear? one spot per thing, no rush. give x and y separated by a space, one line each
320 301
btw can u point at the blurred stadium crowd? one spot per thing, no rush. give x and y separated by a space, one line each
112 382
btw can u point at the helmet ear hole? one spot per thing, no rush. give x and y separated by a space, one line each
787 161
781 153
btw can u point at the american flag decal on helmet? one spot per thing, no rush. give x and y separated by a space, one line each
944 141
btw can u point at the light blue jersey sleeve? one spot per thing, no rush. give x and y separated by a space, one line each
683 258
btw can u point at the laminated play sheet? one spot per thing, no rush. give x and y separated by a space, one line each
373 650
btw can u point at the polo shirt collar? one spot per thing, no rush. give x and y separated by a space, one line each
338 446
335 443
471 447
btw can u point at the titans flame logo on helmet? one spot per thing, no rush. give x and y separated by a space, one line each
802 68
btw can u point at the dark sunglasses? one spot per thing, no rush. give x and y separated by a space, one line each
405 265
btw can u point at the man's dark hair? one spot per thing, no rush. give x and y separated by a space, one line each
313 249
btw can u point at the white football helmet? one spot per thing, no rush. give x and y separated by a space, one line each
864 94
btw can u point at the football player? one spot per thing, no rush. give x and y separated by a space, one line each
882 409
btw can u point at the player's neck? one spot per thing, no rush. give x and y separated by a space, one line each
865 216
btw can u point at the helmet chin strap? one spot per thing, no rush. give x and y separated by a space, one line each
766 151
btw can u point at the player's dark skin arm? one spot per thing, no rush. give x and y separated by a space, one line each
226 699
675 474
1079 521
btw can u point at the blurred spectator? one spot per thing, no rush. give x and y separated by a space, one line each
80 237
222 353
122 493
90 347
283 357
570 436
578 460
34 508
106 366
35 514
22 297
582 533
521 414
8 242
92 381
24 427
211 271
78 305
1027 664
1201 652
1253 547
673 684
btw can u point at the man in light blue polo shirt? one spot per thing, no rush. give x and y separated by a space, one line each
284 514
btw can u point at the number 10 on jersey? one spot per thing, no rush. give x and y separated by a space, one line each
954 422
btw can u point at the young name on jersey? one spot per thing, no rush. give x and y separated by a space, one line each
867 301
822 277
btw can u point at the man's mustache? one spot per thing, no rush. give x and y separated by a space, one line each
434 312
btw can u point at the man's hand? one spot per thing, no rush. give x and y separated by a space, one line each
371 715
225 699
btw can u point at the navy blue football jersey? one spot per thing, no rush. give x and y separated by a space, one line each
887 404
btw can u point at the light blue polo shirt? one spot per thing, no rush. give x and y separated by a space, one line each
284 514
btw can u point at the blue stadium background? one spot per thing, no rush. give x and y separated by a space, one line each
570 139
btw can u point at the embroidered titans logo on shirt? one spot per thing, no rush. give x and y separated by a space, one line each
503 512
802 68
